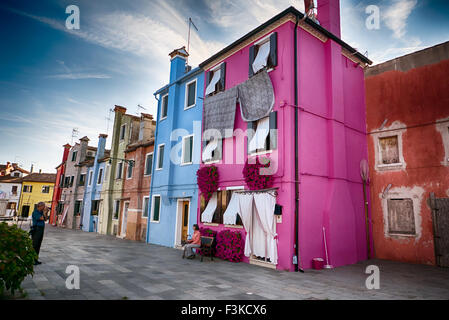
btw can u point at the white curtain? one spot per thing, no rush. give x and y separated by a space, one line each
265 204
210 147
208 213
262 57
211 87
230 215
258 140
246 213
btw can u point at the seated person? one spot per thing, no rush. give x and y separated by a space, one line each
195 242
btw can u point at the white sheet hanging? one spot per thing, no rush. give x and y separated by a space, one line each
208 213
211 87
262 57
246 213
265 204
258 140
230 215
210 147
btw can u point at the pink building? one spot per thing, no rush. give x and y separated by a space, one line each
312 68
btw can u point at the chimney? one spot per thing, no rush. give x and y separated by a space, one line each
65 154
40 171
146 127
178 58
84 141
101 145
329 15
31 169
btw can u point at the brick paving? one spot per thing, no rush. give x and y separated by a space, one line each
113 268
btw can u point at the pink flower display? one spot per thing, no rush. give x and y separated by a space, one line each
254 178
230 246
207 179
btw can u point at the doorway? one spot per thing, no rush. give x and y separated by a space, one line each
25 211
185 220
440 217
182 221
124 218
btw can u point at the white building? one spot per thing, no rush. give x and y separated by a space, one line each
10 188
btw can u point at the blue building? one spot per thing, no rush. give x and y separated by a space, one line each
177 149
96 173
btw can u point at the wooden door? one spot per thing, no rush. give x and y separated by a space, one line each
185 220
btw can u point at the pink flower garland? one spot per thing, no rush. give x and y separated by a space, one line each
230 246
253 177
207 179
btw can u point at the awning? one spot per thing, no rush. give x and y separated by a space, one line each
211 87
259 138
262 57
208 213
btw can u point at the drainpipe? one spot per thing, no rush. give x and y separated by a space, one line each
297 265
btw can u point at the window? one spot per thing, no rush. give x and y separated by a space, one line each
146 203
223 199
82 179
216 79
262 134
212 150
11 206
129 174
160 156
389 150
190 95
119 172
91 173
14 190
156 208
100 176
148 164
16 174
122 132
67 182
78 207
45 189
28 189
401 219
116 209
95 206
263 54
187 150
61 181
164 107
74 154
71 180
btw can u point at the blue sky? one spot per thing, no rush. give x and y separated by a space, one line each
53 79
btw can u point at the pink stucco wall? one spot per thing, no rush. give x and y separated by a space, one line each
331 144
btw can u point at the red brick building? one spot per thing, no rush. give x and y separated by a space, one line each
60 170
408 141
137 181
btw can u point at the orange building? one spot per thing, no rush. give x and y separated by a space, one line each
408 141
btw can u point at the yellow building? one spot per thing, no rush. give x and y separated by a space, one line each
36 187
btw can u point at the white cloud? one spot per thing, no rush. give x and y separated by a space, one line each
77 76
396 15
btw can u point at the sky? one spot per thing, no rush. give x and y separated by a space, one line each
53 79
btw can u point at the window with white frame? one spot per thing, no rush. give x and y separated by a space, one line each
160 157
187 150
119 172
190 99
148 164
100 176
91 173
129 173
45 189
263 54
28 189
164 107
156 208
122 131
145 206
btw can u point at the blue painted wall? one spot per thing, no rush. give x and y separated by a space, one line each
92 192
176 181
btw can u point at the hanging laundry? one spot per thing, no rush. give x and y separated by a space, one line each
219 112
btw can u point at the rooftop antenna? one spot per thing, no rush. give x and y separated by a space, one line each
140 107
108 119
188 41
75 132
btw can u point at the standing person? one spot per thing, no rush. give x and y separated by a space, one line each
195 242
39 216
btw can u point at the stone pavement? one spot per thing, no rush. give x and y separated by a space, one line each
112 268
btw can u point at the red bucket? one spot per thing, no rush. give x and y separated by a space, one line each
317 263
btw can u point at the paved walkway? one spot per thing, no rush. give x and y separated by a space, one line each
112 268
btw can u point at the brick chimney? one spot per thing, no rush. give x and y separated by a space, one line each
329 15
66 152
84 141
178 58
146 127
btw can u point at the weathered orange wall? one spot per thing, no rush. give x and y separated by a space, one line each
416 98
